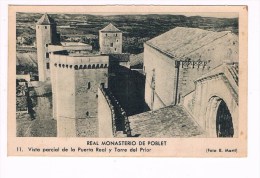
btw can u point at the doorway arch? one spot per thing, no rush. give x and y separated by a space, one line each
224 124
219 122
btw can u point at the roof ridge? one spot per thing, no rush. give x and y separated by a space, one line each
46 20
110 28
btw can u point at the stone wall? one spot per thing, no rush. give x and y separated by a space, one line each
110 42
164 78
210 90
105 116
87 83
187 75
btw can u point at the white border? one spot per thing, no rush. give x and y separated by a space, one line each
42 167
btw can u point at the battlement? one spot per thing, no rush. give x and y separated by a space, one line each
79 62
120 122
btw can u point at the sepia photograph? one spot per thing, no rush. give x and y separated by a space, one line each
130 75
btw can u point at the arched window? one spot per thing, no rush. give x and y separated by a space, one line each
87 113
89 66
101 65
93 66
76 67
97 66
80 67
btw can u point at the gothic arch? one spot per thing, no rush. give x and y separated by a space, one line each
219 121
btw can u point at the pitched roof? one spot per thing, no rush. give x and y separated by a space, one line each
167 122
46 20
110 28
195 43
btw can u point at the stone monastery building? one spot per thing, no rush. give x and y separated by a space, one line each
190 76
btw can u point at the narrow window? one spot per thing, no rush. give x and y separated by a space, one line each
89 85
46 45
45 27
116 40
87 113
116 34
47 65
115 49
111 44
47 55
102 85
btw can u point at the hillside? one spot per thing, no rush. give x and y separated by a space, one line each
136 28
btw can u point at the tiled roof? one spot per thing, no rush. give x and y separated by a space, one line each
46 20
167 122
110 28
195 43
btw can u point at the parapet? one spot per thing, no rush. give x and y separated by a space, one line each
79 62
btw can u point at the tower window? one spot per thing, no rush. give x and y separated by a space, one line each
87 113
89 85
116 40
115 49
106 34
47 65
47 55
46 45
116 34
45 27
111 44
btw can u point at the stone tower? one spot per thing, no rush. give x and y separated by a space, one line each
110 40
45 34
75 82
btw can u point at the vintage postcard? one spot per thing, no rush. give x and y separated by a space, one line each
127 81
